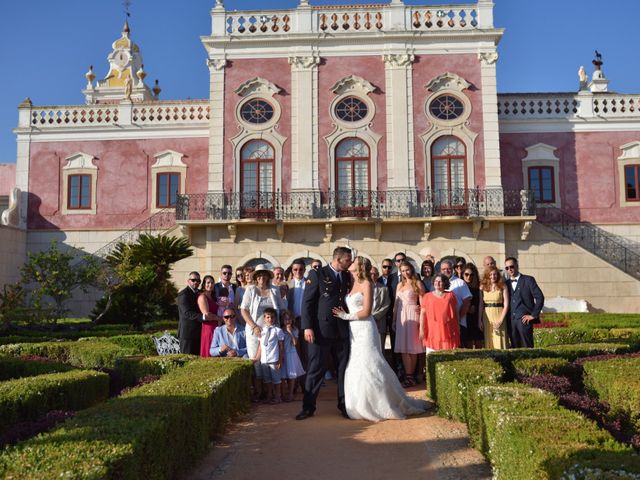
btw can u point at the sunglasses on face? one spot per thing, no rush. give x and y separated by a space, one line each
228 316
509 267
226 273
386 266
194 280
468 274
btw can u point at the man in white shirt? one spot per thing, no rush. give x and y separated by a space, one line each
460 290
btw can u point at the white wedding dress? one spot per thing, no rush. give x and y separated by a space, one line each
372 390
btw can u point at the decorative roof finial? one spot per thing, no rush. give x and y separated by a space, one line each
598 61
156 88
90 76
598 81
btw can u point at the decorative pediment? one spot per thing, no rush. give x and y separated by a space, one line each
352 83
257 85
80 160
630 151
168 158
447 81
541 151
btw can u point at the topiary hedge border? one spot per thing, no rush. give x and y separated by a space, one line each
11 368
28 398
155 431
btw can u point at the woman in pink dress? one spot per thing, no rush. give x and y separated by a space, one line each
406 321
207 304
439 329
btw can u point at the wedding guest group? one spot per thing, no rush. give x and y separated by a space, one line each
446 304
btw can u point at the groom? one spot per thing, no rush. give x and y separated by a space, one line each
324 333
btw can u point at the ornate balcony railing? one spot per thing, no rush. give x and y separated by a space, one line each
605 245
364 204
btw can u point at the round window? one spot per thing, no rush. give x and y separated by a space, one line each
351 109
446 107
256 111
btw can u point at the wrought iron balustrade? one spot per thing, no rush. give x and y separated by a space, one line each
310 204
605 245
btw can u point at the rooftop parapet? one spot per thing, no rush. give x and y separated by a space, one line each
351 19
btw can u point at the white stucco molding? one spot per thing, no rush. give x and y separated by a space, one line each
488 58
79 163
352 83
448 81
167 161
370 137
461 132
630 156
11 216
304 62
543 155
259 254
257 85
271 136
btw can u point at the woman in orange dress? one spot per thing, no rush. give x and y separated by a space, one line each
439 329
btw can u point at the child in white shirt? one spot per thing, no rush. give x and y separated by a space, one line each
270 354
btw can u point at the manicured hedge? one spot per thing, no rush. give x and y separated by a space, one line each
17 368
542 365
506 357
131 369
86 353
156 431
616 382
457 379
527 435
28 398
544 337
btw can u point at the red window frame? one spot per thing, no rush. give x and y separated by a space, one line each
540 187
83 202
263 204
173 179
635 173
352 202
450 201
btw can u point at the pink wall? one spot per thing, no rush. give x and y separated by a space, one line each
331 70
7 178
425 69
588 171
124 180
276 71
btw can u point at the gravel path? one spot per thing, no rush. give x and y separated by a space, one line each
268 443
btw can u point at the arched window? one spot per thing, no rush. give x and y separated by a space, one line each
448 167
257 160
352 178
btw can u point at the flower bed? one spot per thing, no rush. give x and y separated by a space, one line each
155 431
31 397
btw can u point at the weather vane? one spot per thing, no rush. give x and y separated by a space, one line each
126 4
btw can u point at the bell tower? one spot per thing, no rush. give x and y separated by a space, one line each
125 80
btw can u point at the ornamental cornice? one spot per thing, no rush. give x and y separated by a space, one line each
449 81
304 62
352 82
488 58
398 59
217 64
257 85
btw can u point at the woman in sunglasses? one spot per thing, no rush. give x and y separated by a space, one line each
207 304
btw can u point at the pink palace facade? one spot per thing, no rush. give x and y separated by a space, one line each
374 126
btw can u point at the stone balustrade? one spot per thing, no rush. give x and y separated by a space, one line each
191 112
351 19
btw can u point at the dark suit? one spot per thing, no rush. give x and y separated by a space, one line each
526 299
392 283
321 294
218 286
190 321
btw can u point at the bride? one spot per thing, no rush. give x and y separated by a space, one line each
372 390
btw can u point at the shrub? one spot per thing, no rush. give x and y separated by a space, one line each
28 398
616 382
529 436
17 368
542 365
456 381
573 352
143 344
156 431
562 336
131 369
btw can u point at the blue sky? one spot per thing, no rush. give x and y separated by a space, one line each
48 45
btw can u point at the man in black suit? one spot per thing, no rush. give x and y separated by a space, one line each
389 280
525 304
324 333
190 318
226 272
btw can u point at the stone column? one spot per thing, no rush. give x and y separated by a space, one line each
23 145
399 103
304 122
216 124
490 125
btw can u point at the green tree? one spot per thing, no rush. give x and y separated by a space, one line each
53 274
11 304
143 291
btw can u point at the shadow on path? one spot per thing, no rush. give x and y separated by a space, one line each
268 443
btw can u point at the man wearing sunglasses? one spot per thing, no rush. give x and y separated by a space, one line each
389 280
229 341
525 304
226 272
189 317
